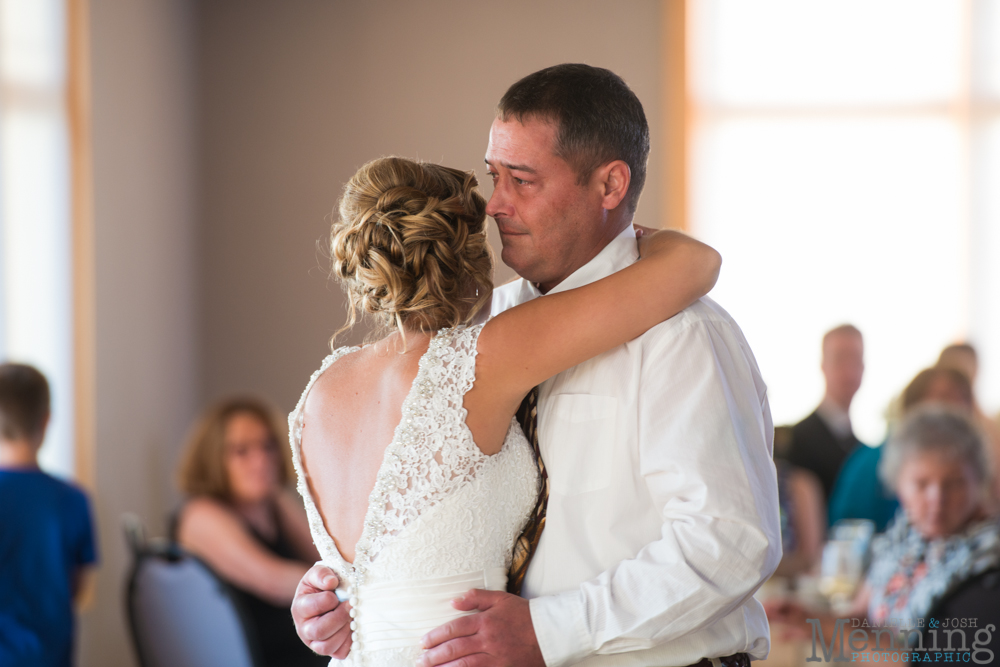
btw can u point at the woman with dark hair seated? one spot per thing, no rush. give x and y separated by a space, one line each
242 520
936 461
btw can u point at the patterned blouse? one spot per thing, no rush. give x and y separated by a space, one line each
909 573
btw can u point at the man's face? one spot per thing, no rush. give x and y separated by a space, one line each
549 224
843 366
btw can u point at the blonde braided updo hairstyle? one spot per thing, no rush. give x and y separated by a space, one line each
410 246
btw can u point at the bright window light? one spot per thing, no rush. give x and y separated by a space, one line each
986 49
842 52
846 172
985 315
35 287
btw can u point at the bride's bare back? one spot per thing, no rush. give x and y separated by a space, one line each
350 416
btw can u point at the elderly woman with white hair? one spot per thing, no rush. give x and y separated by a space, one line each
937 463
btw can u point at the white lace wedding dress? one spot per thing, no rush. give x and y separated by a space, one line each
442 518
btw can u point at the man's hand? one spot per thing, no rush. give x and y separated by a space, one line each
322 621
501 635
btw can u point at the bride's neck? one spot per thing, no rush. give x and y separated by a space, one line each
408 341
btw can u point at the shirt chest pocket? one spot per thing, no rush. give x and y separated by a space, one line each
577 438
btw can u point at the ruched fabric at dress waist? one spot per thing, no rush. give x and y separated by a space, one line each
397 614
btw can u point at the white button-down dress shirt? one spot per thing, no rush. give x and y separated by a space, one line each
663 507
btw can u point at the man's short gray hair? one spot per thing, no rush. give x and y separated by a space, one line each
939 428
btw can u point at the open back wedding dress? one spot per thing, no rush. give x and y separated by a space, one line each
442 517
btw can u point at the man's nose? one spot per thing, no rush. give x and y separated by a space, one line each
499 202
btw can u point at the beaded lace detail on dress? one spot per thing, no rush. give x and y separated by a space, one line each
440 507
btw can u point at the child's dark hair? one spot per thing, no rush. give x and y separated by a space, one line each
24 401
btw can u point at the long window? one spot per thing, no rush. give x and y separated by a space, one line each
35 208
845 158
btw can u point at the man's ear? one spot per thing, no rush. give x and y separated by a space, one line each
613 179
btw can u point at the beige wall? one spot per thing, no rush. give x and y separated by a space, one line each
147 370
296 95
223 132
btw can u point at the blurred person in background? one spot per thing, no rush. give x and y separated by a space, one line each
243 521
963 358
823 440
940 543
859 493
46 533
801 510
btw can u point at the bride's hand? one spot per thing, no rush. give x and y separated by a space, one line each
641 231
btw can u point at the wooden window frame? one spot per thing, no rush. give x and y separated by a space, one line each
78 115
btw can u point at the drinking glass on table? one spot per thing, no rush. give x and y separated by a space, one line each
840 573
844 562
858 531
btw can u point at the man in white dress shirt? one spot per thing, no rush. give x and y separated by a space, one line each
662 515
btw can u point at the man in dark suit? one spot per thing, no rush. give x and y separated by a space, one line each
822 441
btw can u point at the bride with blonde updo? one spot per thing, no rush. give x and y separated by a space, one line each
410 245
416 477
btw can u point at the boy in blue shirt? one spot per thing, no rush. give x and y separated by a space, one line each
46 534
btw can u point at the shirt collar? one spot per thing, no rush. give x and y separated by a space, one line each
615 256
838 421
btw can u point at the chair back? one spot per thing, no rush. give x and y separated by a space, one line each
181 614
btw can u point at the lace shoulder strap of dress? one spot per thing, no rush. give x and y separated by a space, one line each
453 361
